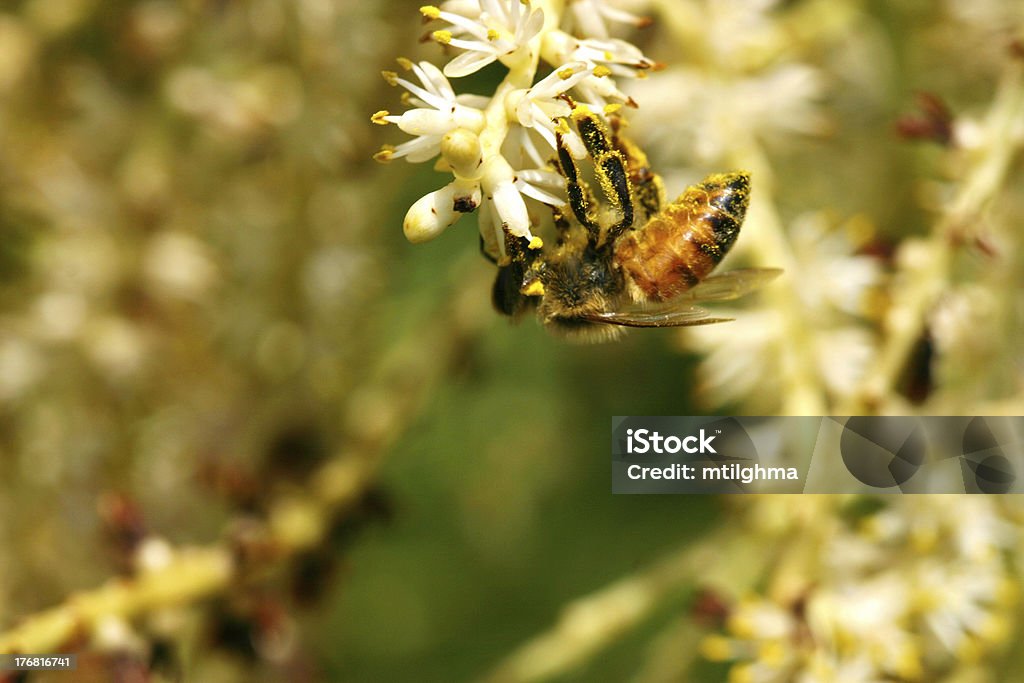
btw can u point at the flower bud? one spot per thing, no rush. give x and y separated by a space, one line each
499 182
429 216
436 211
461 149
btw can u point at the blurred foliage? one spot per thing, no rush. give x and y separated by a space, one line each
206 294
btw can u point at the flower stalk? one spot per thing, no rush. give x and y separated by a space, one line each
926 266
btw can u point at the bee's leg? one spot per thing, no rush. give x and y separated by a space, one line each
648 188
562 225
610 168
576 191
510 294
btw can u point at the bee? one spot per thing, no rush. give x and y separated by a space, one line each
604 273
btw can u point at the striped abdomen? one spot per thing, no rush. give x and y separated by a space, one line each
680 246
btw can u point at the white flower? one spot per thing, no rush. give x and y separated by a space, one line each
927 603
698 114
590 17
437 111
504 206
432 213
499 182
748 357
606 57
537 108
500 30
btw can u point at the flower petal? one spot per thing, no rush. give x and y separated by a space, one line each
468 63
511 208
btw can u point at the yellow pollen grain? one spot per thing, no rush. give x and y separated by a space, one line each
378 118
390 76
535 243
430 12
608 56
384 155
601 71
562 128
566 73
405 63
535 288
443 37
581 111
612 108
492 35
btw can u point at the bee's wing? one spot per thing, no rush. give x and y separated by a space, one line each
681 311
675 315
731 285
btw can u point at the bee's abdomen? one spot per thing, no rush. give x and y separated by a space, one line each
680 246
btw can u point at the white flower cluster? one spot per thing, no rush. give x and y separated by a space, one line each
834 285
497 147
920 586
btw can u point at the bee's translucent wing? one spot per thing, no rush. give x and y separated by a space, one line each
731 285
662 316
681 311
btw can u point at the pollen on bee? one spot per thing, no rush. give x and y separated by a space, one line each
581 111
535 243
535 288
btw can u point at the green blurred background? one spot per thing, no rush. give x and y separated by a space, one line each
206 292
